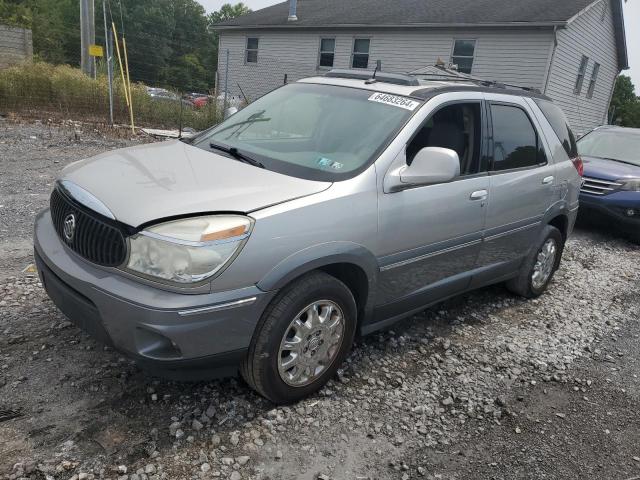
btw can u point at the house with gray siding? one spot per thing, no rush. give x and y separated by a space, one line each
572 50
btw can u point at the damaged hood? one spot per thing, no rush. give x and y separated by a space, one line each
154 181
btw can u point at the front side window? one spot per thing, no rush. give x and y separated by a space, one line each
463 52
318 132
582 71
252 50
515 141
327 52
360 57
594 78
457 127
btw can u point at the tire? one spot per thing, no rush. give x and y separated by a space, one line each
264 366
524 284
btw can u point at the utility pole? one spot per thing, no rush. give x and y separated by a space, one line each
108 55
87 36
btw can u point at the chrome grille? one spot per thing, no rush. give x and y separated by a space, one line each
595 186
97 240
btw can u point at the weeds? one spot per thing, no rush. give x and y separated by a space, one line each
44 90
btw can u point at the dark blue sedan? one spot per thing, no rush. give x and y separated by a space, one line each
611 190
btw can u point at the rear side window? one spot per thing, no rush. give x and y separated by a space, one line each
558 121
515 140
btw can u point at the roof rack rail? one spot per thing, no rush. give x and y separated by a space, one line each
384 77
442 73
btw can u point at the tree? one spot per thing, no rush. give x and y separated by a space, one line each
170 43
227 12
625 104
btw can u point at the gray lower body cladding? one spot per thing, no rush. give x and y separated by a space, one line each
182 336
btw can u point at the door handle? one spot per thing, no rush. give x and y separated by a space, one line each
479 195
548 180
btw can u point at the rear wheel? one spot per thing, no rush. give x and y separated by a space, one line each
540 265
303 337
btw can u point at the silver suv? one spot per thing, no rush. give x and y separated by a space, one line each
327 209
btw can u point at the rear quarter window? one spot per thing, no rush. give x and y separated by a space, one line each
558 121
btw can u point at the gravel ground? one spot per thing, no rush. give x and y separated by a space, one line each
483 386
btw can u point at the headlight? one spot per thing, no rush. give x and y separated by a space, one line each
190 250
631 185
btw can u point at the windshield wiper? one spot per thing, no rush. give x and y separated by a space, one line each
235 153
255 118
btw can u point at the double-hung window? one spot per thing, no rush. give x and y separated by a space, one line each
463 52
251 53
327 52
594 78
360 56
582 71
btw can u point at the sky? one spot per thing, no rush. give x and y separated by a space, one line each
631 13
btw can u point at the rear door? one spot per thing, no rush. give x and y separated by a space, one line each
522 177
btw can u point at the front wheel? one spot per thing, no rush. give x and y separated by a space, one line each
304 335
540 265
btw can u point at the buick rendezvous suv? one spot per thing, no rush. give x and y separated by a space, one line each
328 208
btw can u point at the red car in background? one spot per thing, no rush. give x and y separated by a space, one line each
198 100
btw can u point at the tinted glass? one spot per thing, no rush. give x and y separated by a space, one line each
319 132
515 142
327 45
326 59
581 72
361 45
252 43
252 56
615 145
558 121
465 64
464 48
360 60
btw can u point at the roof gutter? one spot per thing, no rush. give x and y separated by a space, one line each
559 24
620 34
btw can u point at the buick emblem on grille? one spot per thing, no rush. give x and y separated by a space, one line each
69 227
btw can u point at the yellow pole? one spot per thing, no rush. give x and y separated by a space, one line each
126 63
124 83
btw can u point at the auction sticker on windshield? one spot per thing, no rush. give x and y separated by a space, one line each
394 100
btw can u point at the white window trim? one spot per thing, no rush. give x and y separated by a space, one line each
472 57
247 49
353 52
320 52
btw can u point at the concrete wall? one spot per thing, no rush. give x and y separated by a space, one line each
16 45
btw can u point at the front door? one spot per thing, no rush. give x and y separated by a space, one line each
430 236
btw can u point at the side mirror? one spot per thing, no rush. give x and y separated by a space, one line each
431 165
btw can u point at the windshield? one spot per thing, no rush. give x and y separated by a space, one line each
615 145
318 132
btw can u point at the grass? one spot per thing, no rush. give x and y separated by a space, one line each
60 91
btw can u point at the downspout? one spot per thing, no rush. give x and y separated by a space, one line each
553 56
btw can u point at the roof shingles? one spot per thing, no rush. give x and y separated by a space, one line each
313 13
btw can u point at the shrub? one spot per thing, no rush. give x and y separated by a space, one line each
41 89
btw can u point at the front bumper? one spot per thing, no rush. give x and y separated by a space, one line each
613 207
174 334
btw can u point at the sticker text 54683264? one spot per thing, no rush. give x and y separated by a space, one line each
394 100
